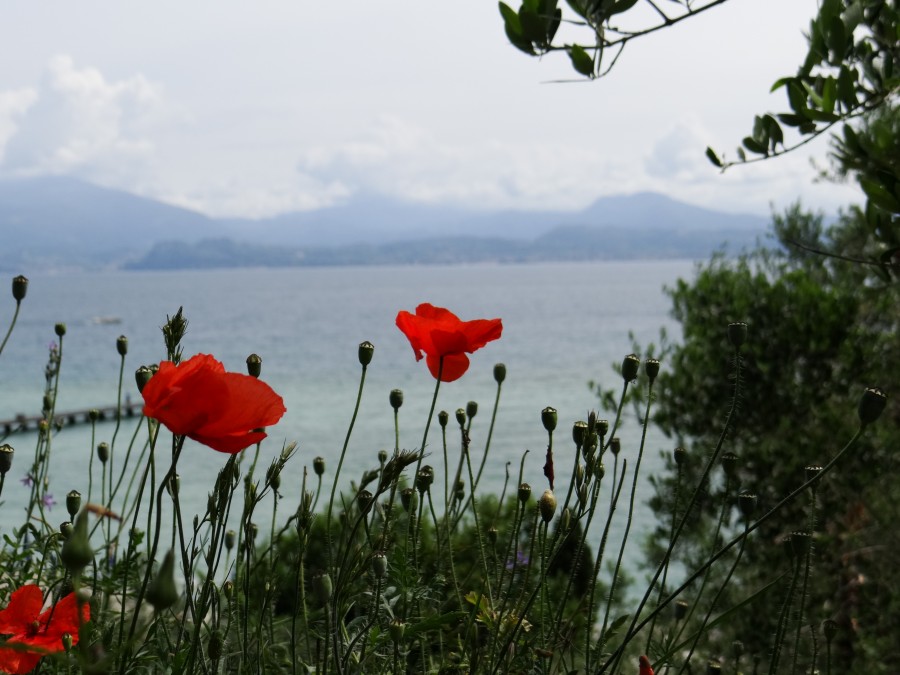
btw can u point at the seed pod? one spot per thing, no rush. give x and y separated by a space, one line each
651 367
409 499
122 345
747 503
6 458
524 492
680 455
396 398
366 350
871 405
60 329
73 502
737 333
471 409
461 417
499 372
547 506
254 365
319 465
579 430
549 418
142 376
729 464
19 288
379 565
630 365
443 418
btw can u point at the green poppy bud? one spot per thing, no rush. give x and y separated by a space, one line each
471 409
547 505
651 367
19 288
162 592
142 376
524 493
76 551
103 452
549 418
60 329
254 365
66 529
230 538
382 456
66 639
122 345
599 471
630 366
461 417
680 455
602 427
747 503
6 458
871 405
730 464
409 499
73 502
228 590
499 372
396 398
737 333
615 445
322 587
396 629
443 418
319 465
424 478
379 565
366 350
579 431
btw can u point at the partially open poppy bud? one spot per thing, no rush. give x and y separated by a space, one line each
60 329
396 398
871 405
443 418
366 350
319 465
579 430
524 492
6 458
499 372
747 503
73 502
409 499
103 452
19 288
549 418
729 464
651 367
142 376
680 455
162 592
461 417
471 409
322 587
379 565
737 333
254 365
630 365
547 506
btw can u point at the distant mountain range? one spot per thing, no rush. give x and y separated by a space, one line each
56 222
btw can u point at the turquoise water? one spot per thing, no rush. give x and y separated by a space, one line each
564 324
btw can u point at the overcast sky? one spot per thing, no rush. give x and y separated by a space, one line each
255 108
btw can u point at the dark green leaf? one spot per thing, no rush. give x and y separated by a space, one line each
836 39
829 94
513 28
879 195
713 157
796 96
791 120
581 60
621 6
754 146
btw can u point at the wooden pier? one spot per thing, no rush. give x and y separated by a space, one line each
24 423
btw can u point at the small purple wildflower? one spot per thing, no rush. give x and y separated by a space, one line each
28 481
48 501
520 561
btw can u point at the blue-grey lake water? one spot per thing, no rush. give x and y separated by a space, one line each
563 324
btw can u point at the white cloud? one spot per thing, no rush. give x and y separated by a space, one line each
78 122
13 104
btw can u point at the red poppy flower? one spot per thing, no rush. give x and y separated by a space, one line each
439 333
198 399
645 668
37 632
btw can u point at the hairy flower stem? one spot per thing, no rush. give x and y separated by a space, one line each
806 570
729 421
437 387
783 618
637 627
328 538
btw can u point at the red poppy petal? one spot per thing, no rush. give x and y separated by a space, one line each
24 607
412 328
449 342
454 366
17 662
245 403
481 331
231 444
439 314
63 619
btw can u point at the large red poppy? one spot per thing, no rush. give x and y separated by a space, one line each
439 333
37 632
198 399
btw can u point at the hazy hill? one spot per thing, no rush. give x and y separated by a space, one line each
58 222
